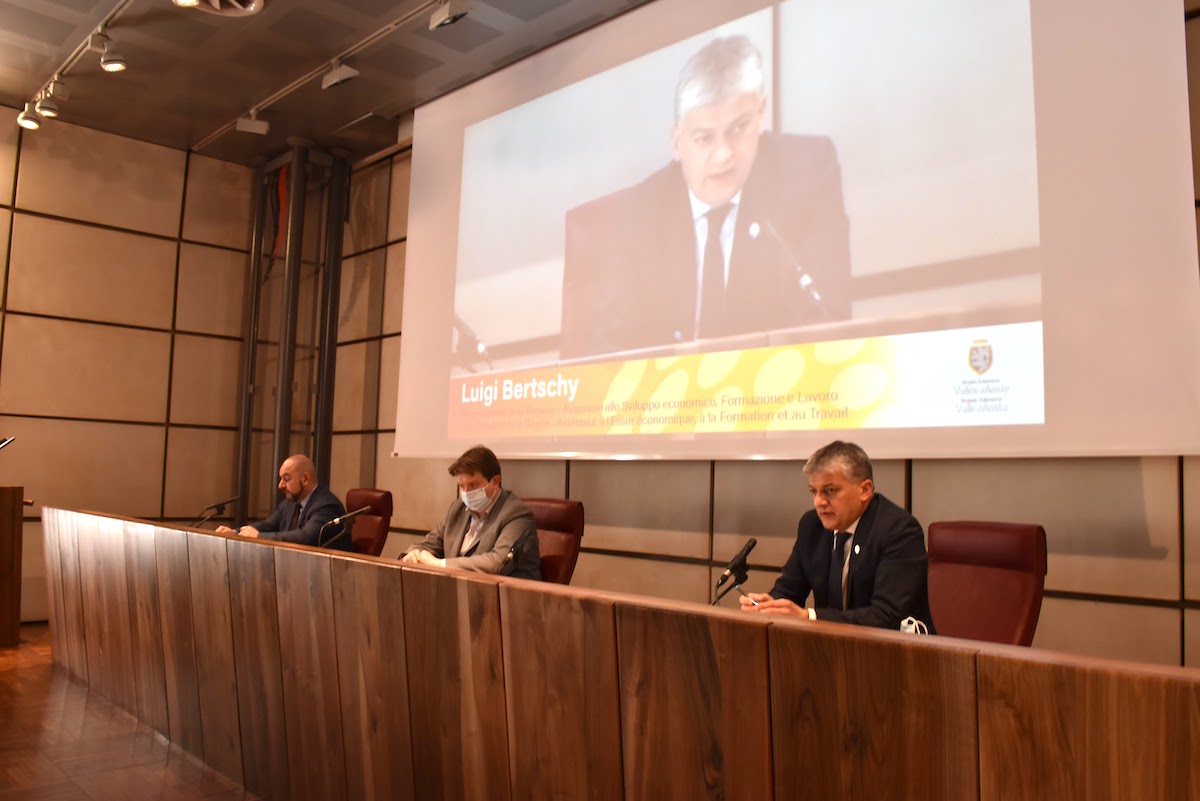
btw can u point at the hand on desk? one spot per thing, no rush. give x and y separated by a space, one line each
244 531
423 557
762 602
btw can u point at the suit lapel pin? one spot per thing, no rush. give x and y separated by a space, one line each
856 550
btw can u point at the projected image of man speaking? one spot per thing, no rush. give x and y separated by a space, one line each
745 231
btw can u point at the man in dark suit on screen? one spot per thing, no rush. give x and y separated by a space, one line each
744 231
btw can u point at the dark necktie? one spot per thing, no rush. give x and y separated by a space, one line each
712 287
835 569
295 524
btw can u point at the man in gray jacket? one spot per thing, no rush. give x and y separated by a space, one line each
487 528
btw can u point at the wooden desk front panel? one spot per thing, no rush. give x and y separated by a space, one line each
456 687
368 601
856 711
215 667
146 625
560 668
261 712
106 613
1078 728
180 669
308 656
54 586
337 677
695 703
65 524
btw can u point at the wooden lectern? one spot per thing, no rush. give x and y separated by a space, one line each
11 513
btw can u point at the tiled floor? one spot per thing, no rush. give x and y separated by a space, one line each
60 742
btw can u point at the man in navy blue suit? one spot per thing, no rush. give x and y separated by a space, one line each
744 231
862 556
301 516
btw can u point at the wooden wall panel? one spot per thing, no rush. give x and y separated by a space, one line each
215 666
1068 728
75 656
106 610
368 600
560 668
308 656
456 686
51 520
146 626
854 712
181 680
692 726
252 592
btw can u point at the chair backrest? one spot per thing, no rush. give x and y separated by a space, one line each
560 533
986 579
370 529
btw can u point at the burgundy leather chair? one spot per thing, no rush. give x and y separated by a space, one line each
560 533
986 579
370 529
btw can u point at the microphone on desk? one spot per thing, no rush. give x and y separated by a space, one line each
509 563
338 521
738 563
209 512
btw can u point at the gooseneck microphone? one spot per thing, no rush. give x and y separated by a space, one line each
209 512
509 563
347 516
6 441
738 563
336 522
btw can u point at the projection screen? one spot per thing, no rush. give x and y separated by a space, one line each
938 228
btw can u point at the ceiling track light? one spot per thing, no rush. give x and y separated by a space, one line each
338 73
111 60
252 124
46 107
28 119
224 8
448 12
57 89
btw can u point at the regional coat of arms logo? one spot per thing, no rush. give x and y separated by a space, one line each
980 356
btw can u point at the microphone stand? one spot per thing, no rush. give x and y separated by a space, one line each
738 578
342 521
345 530
208 514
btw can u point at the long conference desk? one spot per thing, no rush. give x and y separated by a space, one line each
310 674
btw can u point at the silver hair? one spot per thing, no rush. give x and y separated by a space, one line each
852 459
723 68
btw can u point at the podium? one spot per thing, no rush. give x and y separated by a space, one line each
11 512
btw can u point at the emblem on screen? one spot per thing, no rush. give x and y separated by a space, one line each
980 356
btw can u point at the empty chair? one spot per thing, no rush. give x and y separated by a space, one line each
560 533
370 529
986 579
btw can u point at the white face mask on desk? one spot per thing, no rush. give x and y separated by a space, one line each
475 499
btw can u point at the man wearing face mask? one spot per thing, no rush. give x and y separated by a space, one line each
487 528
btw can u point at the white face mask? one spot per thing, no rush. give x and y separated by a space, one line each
475 499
